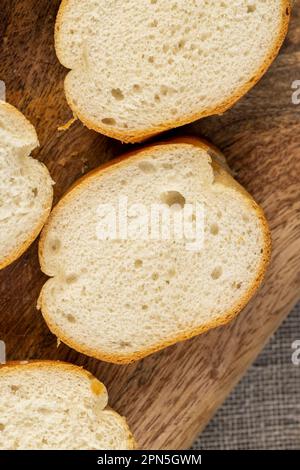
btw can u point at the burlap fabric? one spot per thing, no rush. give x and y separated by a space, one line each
263 412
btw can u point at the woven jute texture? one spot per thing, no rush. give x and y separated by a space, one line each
263 412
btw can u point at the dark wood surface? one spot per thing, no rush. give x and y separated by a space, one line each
169 397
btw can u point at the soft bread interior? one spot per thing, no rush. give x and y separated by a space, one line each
121 298
58 406
140 64
25 188
16 132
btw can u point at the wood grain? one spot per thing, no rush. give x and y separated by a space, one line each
170 396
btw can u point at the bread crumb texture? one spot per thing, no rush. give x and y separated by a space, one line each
50 405
142 66
119 300
25 185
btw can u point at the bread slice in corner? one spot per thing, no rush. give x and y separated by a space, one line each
25 186
139 67
119 297
47 405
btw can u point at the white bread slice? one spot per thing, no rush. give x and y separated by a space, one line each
57 406
120 300
139 67
25 185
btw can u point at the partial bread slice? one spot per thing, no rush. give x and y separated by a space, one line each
57 406
25 186
120 300
143 66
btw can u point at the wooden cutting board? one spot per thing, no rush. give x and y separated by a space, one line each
169 397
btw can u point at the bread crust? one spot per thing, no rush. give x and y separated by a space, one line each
227 317
15 254
80 371
143 134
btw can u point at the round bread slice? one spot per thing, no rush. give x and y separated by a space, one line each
47 405
119 297
143 66
26 187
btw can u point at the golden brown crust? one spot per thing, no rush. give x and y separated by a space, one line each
34 234
80 371
228 316
10 109
14 255
141 135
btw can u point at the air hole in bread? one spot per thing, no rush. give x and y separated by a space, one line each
14 388
153 24
205 36
147 167
109 121
2 427
173 198
43 411
236 285
138 263
153 2
167 166
251 8
145 307
171 273
217 273
164 90
151 59
137 88
117 94
155 276
71 318
125 344
214 229
157 98
71 278
55 245
246 218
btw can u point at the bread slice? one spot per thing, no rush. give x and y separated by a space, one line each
143 66
122 299
57 406
26 187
